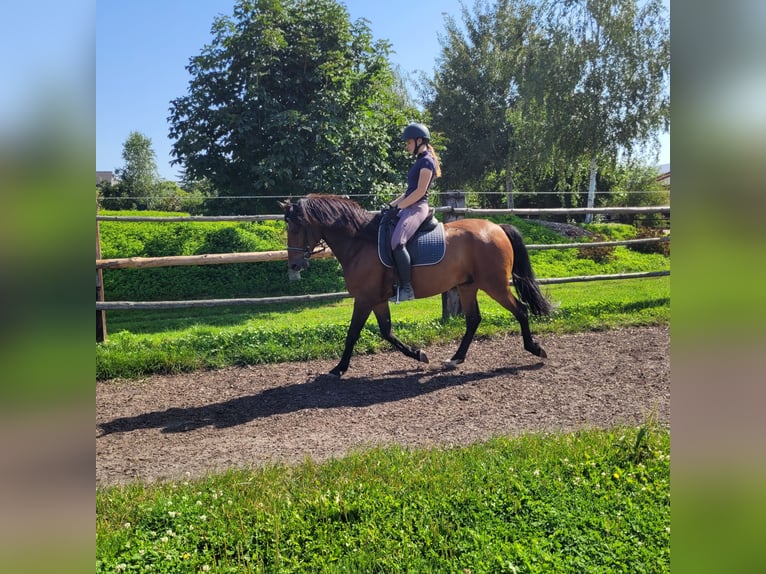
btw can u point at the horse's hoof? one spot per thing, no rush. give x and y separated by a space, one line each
336 372
541 353
422 357
451 364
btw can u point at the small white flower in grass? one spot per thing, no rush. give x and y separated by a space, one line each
206 568
126 525
120 567
172 513
536 472
203 517
164 539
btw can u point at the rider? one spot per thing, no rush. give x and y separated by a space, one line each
413 203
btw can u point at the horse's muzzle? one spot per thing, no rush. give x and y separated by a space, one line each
295 267
293 275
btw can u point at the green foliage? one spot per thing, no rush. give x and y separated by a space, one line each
662 247
612 83
612 231
526 94
536 503
288 98
140 186
474 87
531 231
139 176
597 253
121 239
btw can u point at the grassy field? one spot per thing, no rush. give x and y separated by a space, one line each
141 343
590 501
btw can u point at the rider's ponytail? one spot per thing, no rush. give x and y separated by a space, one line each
436 161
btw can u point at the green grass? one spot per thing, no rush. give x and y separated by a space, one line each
173 341
594 500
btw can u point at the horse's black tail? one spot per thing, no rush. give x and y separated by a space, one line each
523 277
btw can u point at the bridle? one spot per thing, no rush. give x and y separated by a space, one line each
319 247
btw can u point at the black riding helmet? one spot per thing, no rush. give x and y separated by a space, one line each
415 131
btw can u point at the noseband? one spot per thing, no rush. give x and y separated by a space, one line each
307 253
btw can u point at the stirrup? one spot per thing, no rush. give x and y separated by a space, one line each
406 294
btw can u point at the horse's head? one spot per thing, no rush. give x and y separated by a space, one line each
301 240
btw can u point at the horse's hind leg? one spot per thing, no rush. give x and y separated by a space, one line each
470 307
383 315
519 310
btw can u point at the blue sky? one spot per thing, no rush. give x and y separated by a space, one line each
143 46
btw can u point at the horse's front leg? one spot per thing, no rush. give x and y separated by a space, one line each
358 319
383 315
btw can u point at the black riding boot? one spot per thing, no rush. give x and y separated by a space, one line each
404 270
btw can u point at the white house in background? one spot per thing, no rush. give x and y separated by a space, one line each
663 176
105 177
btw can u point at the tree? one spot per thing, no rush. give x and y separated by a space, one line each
615 96
476 87
542 95
138 177
289 98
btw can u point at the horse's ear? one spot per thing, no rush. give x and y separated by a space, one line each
284 204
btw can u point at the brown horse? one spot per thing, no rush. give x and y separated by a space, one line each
479 255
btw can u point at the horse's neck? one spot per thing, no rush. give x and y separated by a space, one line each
342 245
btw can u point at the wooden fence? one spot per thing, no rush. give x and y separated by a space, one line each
450 212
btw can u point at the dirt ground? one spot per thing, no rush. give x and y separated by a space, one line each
184 426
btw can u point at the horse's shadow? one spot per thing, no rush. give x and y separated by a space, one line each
323 392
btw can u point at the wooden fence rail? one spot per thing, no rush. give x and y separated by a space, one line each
125 305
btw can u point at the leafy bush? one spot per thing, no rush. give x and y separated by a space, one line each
662 247
597 253
121 239
611 231
532 232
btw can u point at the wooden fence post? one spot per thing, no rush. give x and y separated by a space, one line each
450 300
100 314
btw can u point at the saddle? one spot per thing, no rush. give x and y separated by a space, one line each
426 247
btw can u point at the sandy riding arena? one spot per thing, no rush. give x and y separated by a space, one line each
184 426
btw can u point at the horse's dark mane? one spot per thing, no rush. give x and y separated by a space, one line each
336 212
